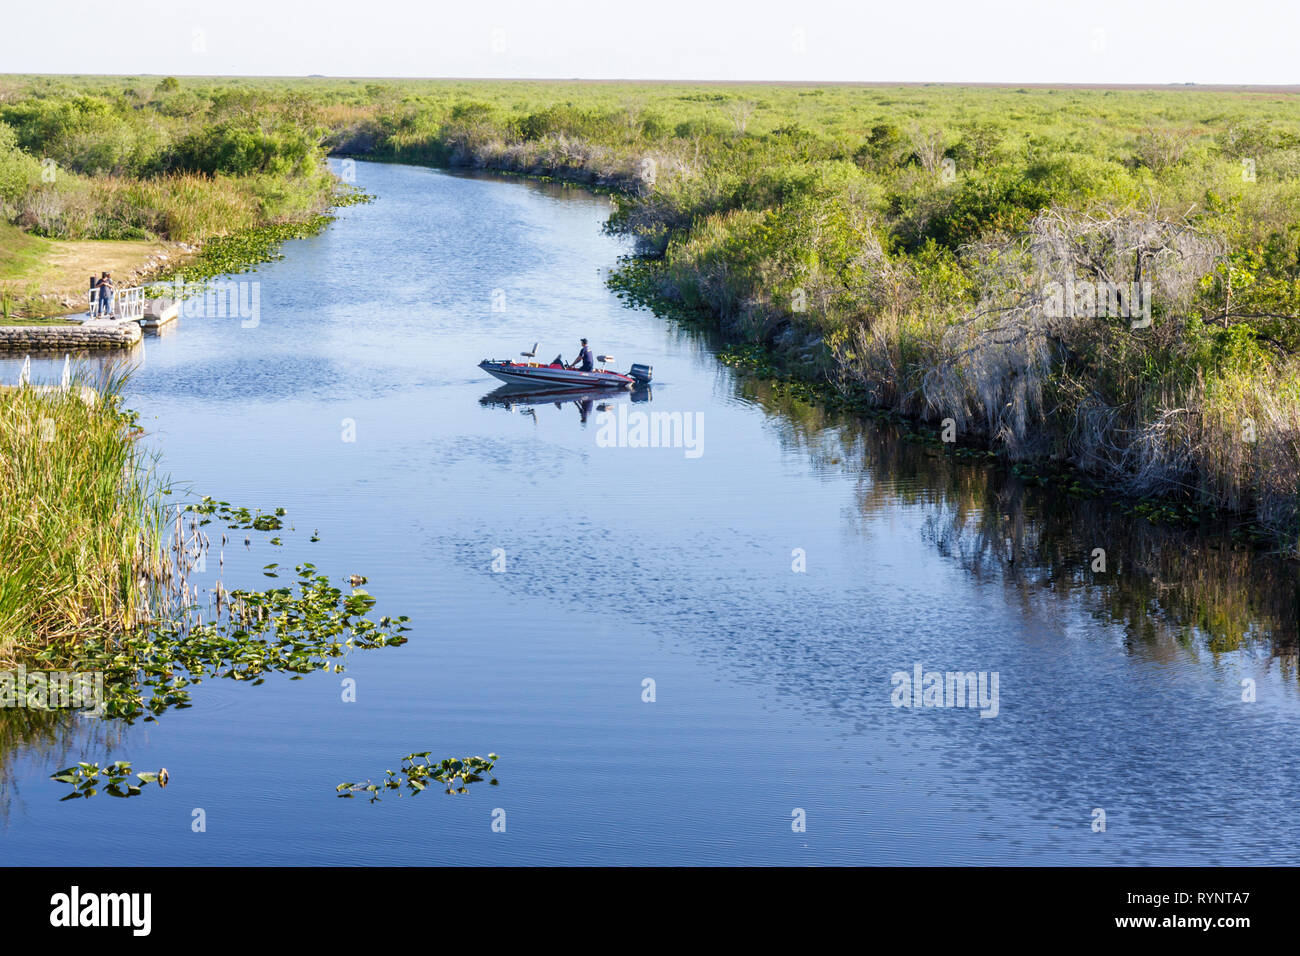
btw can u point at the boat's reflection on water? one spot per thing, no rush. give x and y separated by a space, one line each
525 400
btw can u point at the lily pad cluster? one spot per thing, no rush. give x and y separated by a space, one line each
250 634
235 516
418 770
255 633
241 251
85 781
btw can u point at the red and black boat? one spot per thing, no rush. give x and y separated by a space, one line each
537 374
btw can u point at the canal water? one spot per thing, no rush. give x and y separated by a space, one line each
682 654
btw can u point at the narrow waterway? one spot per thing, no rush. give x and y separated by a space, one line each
762 582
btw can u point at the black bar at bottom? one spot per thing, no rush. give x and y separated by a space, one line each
345 905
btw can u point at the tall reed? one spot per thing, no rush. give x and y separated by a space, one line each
81 516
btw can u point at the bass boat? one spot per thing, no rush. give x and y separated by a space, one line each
556 373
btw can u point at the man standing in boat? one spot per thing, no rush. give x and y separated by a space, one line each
584 362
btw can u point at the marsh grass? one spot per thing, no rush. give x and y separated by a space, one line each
182 207
81 516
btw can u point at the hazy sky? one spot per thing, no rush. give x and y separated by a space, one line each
1018 41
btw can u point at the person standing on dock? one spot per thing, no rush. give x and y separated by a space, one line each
105 295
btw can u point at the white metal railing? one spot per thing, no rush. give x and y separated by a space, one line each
121 304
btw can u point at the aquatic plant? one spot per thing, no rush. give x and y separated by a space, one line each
241 251
235 516
417 770
84 778
252 635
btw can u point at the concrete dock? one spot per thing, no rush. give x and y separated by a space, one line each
87 333
94 334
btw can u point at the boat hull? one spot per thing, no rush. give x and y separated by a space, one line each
534 376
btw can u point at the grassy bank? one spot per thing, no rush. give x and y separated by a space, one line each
80 519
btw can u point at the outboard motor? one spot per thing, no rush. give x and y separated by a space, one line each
641 373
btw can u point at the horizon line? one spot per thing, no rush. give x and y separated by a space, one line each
988 84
